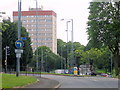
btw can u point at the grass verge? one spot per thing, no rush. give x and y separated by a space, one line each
54 74
0 80
10 81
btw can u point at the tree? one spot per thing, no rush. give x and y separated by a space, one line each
47 59
61 47
27 49
9 36
64 50
103 28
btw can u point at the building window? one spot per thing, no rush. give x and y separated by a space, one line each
48 25
48 20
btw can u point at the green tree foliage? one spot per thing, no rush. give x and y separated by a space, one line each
61 48
47 59
9 36
64 49
98 58
104 27
27 49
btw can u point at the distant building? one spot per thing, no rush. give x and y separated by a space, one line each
44 34
3 16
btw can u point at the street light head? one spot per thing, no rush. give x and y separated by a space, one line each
62 19
68 21
66 30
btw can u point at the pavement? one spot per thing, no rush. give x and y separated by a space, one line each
43 83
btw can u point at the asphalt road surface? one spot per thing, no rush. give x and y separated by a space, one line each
84 82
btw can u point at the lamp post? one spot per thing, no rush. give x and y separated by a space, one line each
36 36
19 18
72 38
64 62
67 62
18 51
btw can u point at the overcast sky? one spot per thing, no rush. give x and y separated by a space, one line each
67 9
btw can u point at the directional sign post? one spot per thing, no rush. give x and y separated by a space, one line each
23 38
18 56
19 44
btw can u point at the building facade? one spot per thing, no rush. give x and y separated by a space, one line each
3 16
41 25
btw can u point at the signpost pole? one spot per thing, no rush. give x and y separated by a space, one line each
18 54
18 67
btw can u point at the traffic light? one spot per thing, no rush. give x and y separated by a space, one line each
8 51
5 62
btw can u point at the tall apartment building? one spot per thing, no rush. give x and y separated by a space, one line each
41 25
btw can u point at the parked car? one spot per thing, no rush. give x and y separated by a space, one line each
104 74
93 73
59 71
66 71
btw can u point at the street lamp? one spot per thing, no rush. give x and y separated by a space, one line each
72 48
67 62
61 57
18 51
36 36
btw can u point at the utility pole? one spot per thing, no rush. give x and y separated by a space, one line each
61 58
72 48
19 32
67 61
19 19
36 36
19 44
72 62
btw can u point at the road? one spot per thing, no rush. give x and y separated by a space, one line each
84 82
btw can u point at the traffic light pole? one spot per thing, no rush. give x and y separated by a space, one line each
6 59
6 54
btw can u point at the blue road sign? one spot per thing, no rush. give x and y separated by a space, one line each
19 44
23 38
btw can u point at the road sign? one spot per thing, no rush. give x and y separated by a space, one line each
19 44
18 55
18 52
23 38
